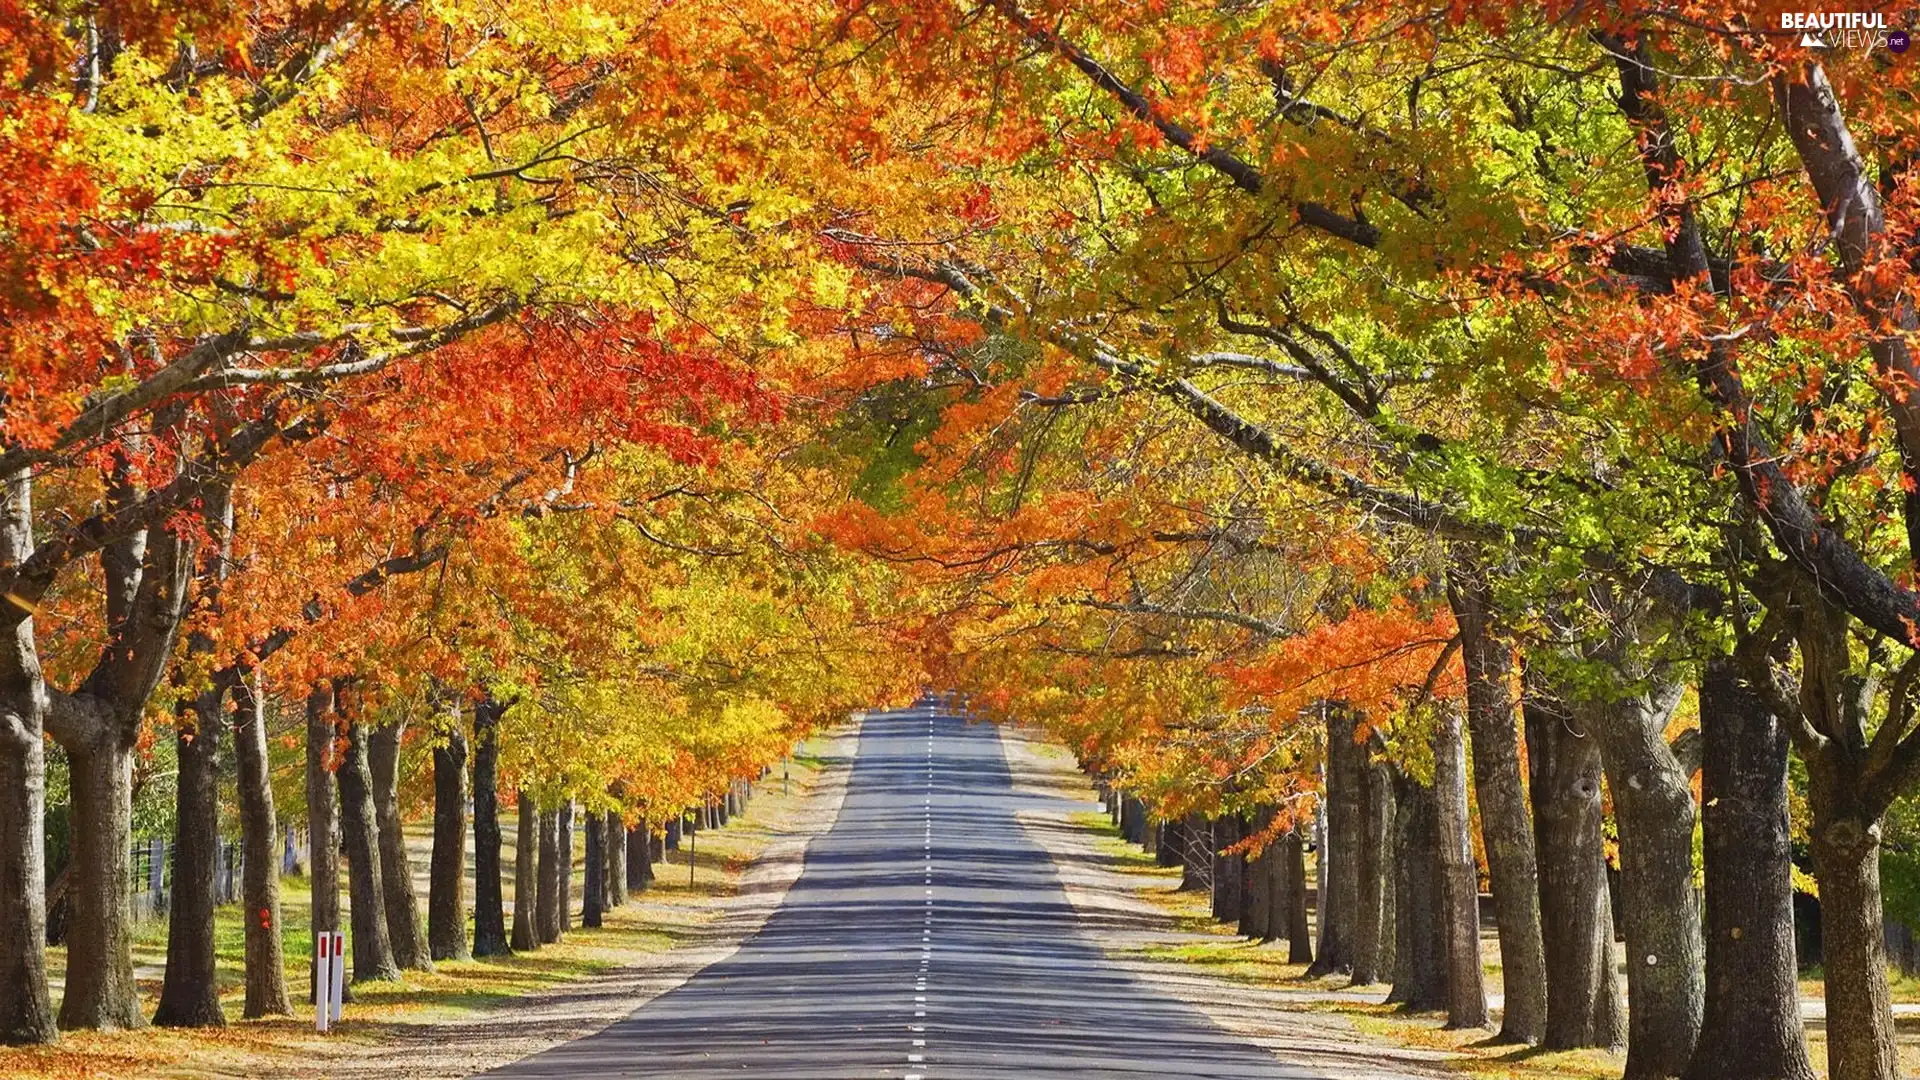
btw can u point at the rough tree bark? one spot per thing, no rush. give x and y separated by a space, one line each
1373 928
447 870
323 818
1170 843
1751 1027
404 929
565 827
1419 983
548 902
526 911
1256 900
1293 855
1345 803
643 850
266 967
1227 876
1659 912
26 1011
146 577
100 991
1860 1033
1458 876
489 907
615 873
592 887
1505 831
1583 987
360 832
1847 808
189 996
189 993
1195 858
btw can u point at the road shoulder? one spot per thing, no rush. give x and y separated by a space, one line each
471 1016
1117 912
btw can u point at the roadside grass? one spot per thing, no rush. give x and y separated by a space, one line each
1223 954
670 912
1905 988
1213 947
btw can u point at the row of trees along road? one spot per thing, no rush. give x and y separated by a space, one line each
1485 407
1503 411
411 380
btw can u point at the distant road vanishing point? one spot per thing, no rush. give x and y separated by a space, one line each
927 937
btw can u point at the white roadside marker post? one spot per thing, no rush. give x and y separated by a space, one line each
339 972
322 980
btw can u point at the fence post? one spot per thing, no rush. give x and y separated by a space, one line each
157 876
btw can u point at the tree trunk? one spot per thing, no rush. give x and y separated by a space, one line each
26 1011
1659 912
1835 698
323 819
101 992
266 963
1860 1033
1294 870
404 930
615 872
489 907
1195 858
1373 928
1227 876
1341 855
1320 861
447 870
1583 987
592 887
1751 1028
1505 832
1420 980
146 577
566 865
671 840
656 855
526 911
360 832
1256 901
547 906
639 857
1167 847
1459 877
189 994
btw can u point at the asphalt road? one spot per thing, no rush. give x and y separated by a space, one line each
927 938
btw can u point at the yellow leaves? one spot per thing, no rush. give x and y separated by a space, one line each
569 32
831 284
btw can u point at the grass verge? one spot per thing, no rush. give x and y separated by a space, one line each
671 912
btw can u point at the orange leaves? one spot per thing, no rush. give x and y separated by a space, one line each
1376 660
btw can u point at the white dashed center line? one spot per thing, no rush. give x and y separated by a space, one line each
917 1056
